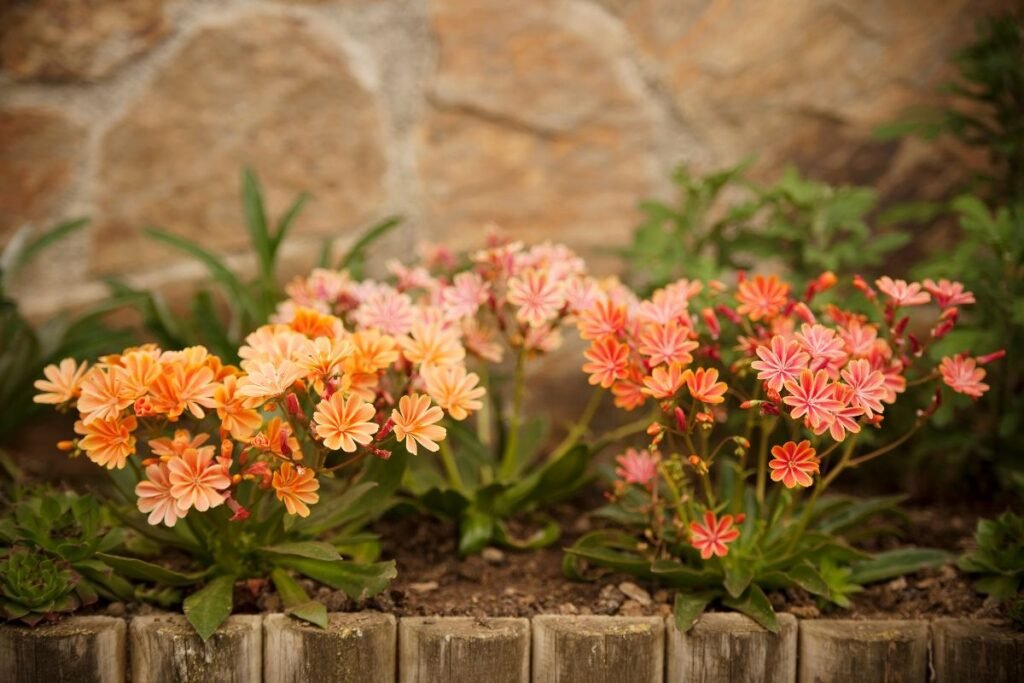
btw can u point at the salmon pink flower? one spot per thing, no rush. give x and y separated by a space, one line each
155 497
296 487
812 396
312 323
138 370
102 396
609 361
637 467
780 361
713 537
63 382
344 422
108 443
845 417
824 347
481 341
704 386
664 382
602 319
761 297
868 386
182 440
668 343
902 294
371 352
948 293
415 422
539 299
629 395
455 390
196 480
266 380
962 375
793 464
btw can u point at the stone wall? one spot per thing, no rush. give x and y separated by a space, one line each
549 117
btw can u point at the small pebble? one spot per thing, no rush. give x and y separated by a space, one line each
897 584
116 609
567 608
493 556
635 592
631 608
804 611
423 586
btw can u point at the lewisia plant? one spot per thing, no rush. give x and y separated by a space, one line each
263 470
759 398
496 310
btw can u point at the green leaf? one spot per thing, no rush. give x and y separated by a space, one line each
476 531
356 255
808 578
256 222
207 608
738 578
541 538
848 516
285 223
314 550
606 549
893 563
357 580
312 611
141 570
999 587
40 243
296 601
754 603
689 606
553 481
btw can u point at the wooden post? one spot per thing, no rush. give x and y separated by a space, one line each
463 650
166 649
592 649
354 648
857 651
969 650
76 650
724 647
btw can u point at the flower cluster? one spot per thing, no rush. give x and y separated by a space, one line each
732 366
308 398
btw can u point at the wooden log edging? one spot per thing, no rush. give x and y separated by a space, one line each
377 648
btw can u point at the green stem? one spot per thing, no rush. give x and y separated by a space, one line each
885 449
484 430
451 468
805 519
508 458
622 432
762 459
580 427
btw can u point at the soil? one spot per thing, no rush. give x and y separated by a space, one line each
433 581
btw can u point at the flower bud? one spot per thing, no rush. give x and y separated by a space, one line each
680 416
864 287
711 320
804 313
988 358
291 403
734 317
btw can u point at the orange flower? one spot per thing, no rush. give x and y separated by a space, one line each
316 324
455 390
322 359
62 384
155 497
609 361
108 443
139 369
103 396
295 487
342 423
704 385
371 352
196 480
183 386
172 448
235 417
415 422
668 343
277 438
664 381
629 395
432 344
761 297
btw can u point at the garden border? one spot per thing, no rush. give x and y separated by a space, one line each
547 648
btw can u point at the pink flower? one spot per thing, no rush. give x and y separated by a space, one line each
948 293
668 343
389 311
712 537
196 481
962 375
845 417
664 382
901 293
823 345
637 467
538 297
609 361
602 319
793 464
155 497
814 397
868 386
464 297
780 361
